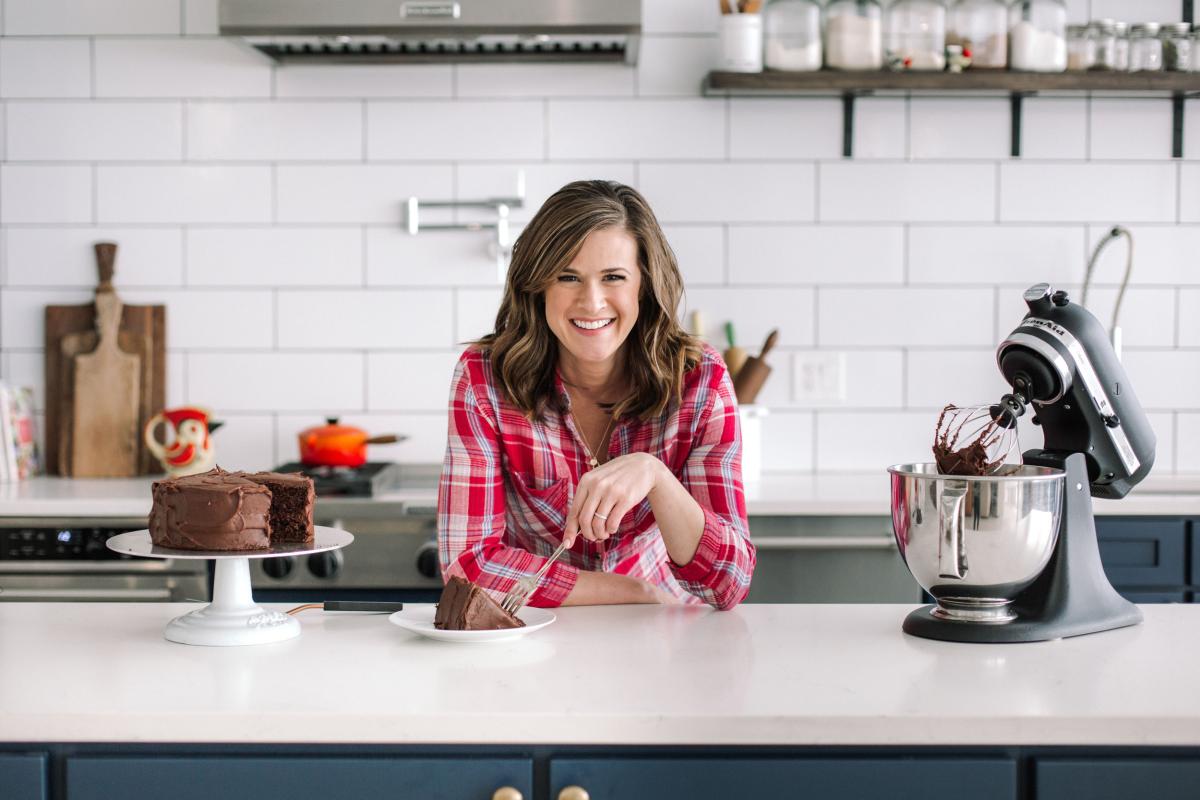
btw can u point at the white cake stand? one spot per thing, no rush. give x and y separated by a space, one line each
231 618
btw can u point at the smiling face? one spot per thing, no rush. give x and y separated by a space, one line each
592 305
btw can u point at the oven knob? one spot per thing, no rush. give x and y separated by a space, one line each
427 560
278 567
325 565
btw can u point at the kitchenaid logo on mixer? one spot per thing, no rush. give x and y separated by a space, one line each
1046 325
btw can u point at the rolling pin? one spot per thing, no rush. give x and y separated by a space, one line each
754 372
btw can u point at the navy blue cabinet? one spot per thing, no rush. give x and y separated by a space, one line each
1116 779
294 778
1145 558
794 778
23 777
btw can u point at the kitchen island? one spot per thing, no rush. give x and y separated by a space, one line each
92 693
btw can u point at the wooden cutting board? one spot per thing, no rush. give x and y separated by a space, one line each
70 331
104 425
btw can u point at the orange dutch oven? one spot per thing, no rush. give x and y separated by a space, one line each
336 445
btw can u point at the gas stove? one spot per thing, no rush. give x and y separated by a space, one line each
372 478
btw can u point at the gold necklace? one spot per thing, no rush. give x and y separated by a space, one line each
603 438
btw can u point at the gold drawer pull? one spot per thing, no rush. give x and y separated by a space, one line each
573 793
506 793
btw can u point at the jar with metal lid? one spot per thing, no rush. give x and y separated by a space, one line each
1037 36
1102 34
854 35
1177 46
1145 48
915 35
1079 48
792 35
980 27
1196 50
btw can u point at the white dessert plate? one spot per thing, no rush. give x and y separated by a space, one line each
419 619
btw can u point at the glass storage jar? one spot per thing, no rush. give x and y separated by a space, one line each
854 35
792 35
1196 50
1121 46
1079 48
1145 48
1037 36
1102 34
980 27
1177 46
915 35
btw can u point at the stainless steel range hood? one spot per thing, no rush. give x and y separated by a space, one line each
393 31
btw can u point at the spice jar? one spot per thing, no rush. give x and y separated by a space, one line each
915 35
1177 46
854 35
1037 36
1102 34
1121 46
1079 48
1145 48
1196 51
980 27
792 33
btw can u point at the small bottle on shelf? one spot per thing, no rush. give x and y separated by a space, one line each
1102 35
1121 46
1037 36
980 27
1177 46
792 35
854 35
1145 48
915 31
1080 48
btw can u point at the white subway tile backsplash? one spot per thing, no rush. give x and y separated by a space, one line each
816 254
27 368
899 317
1189 317
674 65
995 254
308 256
1164 427
478 181
182 194
475 313
356 193
962 377
409 381
1125 128
45 193
866 192
1147 316
200 18
699 251
467 130
176 379
1087 192
88 17
1054 127
1187 432
371 318
275 382
274 131
1162 255
791 128
534 80
679 16
425 441
1140 11
49 131
870 379
431 258
45 68
365 80
637 129
1165 380
67 257
23 313
957 127
880 127
754 313
1189 193
707 192
244 441
206 319
787 442
853 441
179 68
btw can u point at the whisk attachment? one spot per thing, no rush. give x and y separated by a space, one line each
975 440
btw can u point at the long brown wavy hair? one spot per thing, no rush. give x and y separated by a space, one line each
524 351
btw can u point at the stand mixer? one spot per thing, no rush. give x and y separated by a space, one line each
1012 556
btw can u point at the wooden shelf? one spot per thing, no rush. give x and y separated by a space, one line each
778 82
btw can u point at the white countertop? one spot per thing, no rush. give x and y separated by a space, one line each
776 494
760 674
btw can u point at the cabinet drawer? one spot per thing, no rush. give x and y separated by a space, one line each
1114 779
823 778
1142 552
23 777
294 778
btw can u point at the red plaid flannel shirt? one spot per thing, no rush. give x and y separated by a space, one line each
507 484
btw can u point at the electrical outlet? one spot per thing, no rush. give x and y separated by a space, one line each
820 377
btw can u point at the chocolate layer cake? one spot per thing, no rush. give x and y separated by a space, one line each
210 511
466 607
292 498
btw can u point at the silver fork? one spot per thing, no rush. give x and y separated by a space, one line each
523 589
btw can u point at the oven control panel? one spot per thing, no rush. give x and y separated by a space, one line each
57 543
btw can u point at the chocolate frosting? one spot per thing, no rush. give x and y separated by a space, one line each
466 607
971 458
210 511
292 497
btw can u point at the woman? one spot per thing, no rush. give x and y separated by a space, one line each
589 416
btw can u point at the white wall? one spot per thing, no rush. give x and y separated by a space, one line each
262 205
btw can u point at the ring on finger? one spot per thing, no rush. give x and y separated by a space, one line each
601 516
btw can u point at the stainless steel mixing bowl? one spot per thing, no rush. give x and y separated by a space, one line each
974 543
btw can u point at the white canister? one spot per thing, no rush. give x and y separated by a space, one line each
751 419
741 38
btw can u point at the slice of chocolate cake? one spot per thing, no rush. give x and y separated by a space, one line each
210 511
466 607
292 498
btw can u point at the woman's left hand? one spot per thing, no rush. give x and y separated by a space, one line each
607 493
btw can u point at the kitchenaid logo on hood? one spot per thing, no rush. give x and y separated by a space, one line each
1046 325
438 10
